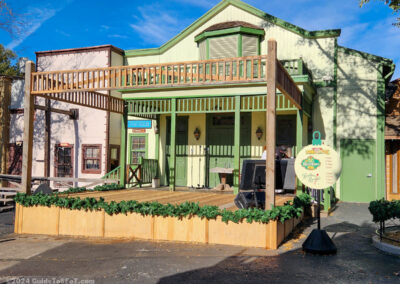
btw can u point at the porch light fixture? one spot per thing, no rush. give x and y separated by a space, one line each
196 133
259 133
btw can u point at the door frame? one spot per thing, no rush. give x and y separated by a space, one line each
145 135
56 163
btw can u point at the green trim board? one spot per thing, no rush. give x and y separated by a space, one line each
236 149
172 159
243 6
240 46
229 31
380 133
122 157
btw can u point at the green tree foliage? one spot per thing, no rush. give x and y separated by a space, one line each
7 57
393 4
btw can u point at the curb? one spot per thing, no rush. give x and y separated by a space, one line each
388 248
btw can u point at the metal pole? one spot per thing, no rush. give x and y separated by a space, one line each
319 209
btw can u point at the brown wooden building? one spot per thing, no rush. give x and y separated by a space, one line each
392 142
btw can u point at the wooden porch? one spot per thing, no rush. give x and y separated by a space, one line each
181 195
83 87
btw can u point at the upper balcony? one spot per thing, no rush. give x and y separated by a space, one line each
227 71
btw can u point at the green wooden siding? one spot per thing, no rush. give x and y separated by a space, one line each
358 179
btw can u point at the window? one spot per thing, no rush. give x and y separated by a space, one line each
14 162
229 39
114 156
91 159
223 47
63 162
137 148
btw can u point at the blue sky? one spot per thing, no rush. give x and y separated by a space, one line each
142 24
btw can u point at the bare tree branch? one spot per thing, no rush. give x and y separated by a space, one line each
393 4
9 21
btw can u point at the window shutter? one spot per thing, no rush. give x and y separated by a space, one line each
250 45
224 47
203 50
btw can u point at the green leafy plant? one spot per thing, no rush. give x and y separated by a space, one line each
383 210
106 187
290 210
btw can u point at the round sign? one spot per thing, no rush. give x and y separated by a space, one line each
318 166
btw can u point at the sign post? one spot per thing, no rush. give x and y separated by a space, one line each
318 167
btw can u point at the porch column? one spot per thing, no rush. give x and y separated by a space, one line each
270 133
27 149
172 159
122 157
157 139
299 144
157 145
236 148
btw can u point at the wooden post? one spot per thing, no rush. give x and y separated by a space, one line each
271 125
47 139
236 149
29 109
5 98
122 157
299 143
172 158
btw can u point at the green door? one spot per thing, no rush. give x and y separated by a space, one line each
181 149
357 181
220 143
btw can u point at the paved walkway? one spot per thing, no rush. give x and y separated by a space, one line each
107 261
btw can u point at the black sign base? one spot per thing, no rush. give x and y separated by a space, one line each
319 242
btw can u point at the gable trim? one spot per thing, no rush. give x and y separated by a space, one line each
365 55
229 31
241 5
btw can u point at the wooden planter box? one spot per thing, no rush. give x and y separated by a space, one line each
59 221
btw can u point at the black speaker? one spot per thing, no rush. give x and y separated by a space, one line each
253 175
245 200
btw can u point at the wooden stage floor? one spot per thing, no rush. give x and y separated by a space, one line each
222 200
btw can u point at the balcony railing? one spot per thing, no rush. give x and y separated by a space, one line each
217 71
296 67
84 86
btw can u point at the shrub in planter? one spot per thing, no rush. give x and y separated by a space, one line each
186 209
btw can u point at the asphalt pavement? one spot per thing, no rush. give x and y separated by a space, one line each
43 259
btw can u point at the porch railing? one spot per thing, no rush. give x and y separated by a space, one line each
206 105
296 67
142 173
114 174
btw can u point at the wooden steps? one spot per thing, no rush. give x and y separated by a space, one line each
7 197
